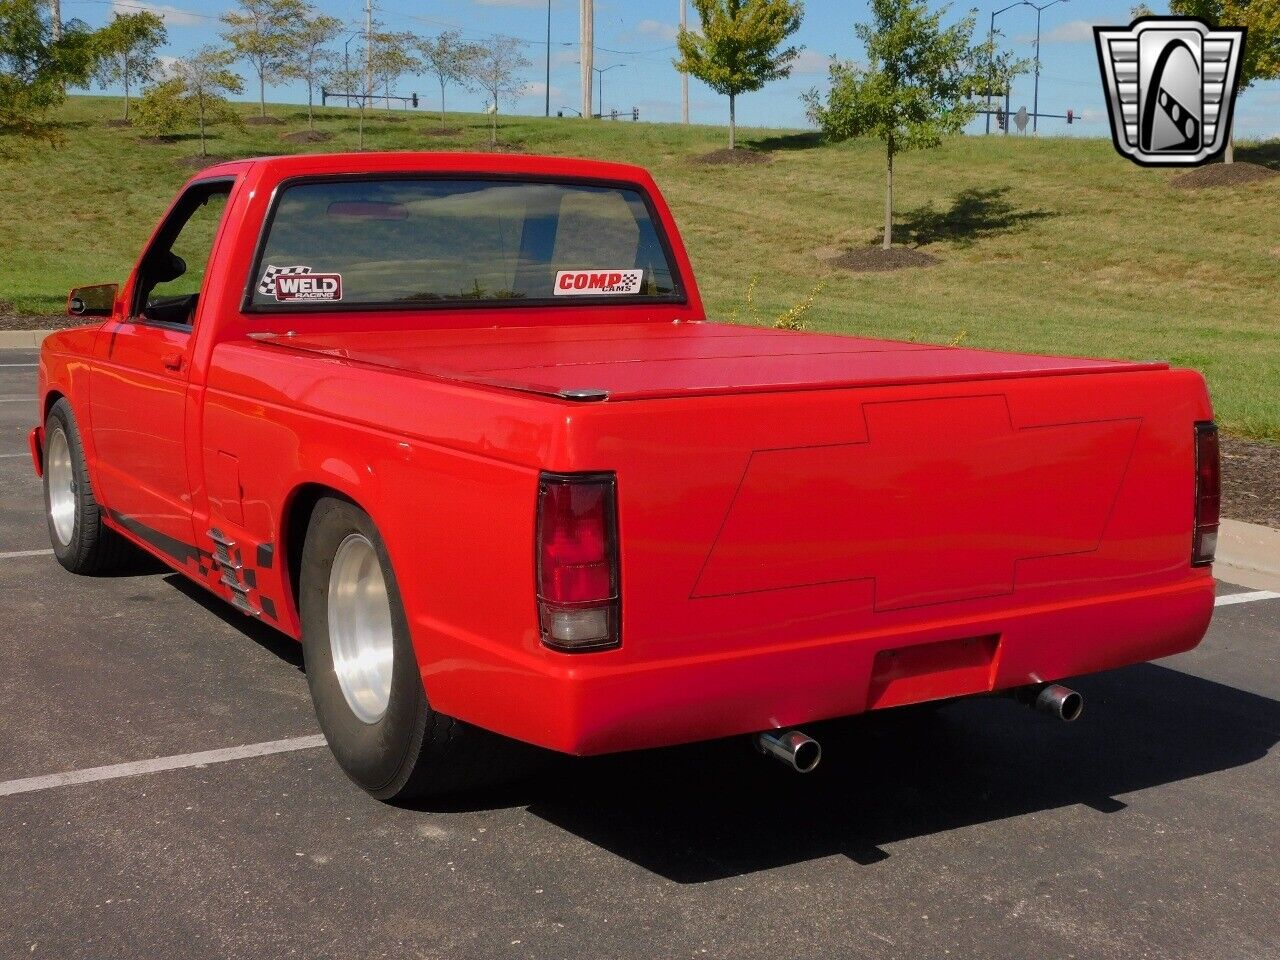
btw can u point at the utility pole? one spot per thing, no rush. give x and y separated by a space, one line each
548 58
55 15
684 77
587 38
368 48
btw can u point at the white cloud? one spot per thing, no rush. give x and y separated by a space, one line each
1073 31
811 63
172 16
657 29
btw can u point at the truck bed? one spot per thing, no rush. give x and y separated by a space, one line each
636 361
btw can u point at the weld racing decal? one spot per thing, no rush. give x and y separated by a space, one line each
310 287
267 285
593 283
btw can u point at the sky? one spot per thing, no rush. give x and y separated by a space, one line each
635 39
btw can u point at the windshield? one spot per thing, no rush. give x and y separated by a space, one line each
413 242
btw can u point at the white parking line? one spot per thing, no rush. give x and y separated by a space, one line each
17 399
15 554
18 364
13 456
117 770
1245 598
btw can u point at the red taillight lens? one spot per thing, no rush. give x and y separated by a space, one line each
577 553
1208 495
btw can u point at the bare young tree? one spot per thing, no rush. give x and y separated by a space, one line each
262 34
309 60
205 76
130 43
390 58
496 70
449 58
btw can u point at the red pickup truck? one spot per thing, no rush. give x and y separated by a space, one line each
460 424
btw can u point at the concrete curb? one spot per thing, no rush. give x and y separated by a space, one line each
22 339
1248 554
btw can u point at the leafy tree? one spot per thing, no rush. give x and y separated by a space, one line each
37 64
193 95
496 70
308 58
262 33
449 59
129 44
1261 58
737 50
919 86
390 58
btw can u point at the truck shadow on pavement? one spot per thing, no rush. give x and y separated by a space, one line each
715 811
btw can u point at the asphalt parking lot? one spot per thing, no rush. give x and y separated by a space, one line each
1150 828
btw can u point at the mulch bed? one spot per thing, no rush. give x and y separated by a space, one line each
199 163
11 319
732 158
437 132
1236 174
1251 481
307 136
871 259
119 122
263 121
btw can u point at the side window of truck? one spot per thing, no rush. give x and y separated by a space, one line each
173 268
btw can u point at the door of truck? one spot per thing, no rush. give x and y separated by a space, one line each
138 384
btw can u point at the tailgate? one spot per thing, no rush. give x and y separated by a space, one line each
771 518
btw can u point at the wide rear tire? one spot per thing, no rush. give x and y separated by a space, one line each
365 681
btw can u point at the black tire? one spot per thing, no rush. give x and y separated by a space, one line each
91 547
411 751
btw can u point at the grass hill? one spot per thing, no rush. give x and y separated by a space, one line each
1050 245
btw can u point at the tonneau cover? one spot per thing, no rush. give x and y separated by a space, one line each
649 360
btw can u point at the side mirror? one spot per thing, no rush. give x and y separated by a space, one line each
98 300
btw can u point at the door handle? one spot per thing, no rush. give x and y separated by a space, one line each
172 361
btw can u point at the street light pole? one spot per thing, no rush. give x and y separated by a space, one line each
991 53
600 72
1035 103
548 58
346 61
684 77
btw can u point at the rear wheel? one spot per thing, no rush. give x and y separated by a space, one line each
363 673
80 540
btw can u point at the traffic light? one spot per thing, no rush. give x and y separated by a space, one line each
415 103
1071 116
1002 119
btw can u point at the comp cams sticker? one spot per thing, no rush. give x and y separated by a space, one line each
595 283
299 285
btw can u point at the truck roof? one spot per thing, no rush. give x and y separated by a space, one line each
427 161
633 361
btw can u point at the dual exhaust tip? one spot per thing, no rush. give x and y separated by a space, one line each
802 753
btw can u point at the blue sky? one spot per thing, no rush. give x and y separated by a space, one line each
638 36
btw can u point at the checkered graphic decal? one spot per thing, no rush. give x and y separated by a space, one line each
267 286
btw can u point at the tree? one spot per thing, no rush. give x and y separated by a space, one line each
390 58
352 79
496 70
737 50
449 59
37 64
193 95
1261 57
262 33
308 58
129 45
920 84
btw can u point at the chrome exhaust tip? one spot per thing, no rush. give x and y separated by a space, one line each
1056 700
800 752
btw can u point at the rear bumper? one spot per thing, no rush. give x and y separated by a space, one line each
574 706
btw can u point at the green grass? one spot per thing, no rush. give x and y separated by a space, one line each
1049 245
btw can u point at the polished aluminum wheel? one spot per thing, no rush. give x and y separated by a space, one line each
60 476
360 634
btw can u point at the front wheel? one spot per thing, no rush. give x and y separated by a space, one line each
80 540
363 674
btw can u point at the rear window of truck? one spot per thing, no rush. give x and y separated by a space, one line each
409 243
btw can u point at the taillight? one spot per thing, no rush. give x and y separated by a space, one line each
1208 495
577 553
